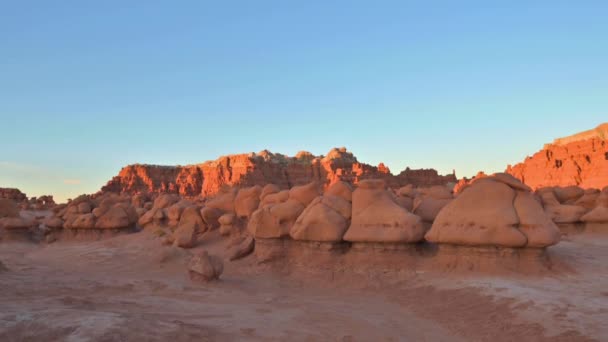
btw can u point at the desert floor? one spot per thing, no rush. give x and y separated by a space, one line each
130 288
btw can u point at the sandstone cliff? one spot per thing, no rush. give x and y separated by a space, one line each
262 168
580 159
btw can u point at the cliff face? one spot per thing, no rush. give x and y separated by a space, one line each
260 169
580 159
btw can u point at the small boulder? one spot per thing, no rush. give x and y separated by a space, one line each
247 201
204 267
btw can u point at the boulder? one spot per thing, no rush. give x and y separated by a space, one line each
115 218
304 193
494 211
269 189
190 224
10 223
211 216
377 218
560 213
226 222
325 219
8 208
274 198
165 200
275 220
598 215
241 249
247 201
588 199
174 212
84 221
204 267
569 194
84 208
223 201
53 222
341 189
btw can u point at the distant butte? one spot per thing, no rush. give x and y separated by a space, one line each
263 168
580 159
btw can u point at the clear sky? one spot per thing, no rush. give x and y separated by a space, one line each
87 87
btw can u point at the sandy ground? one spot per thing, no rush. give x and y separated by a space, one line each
130 288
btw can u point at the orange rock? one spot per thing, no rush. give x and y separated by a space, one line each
247 201
325 219
377 218
494 211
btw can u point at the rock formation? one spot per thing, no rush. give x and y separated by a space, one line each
246 170
496 210
204 267
580 159
376 217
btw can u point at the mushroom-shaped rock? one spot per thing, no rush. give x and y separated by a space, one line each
377 218
204 267
275 221
588 199
494 211
325 219
8 208
247 201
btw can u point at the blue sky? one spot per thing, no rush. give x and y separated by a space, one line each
87 87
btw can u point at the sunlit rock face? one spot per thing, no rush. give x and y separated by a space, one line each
580 159
245 170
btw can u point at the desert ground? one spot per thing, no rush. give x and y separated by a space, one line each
132 288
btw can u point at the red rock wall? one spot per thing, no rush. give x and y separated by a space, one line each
259 169
566 162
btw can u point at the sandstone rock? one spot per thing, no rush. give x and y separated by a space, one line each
598 215
53 222
190 224
325 219
247 201
279 197
84 221
578 160
242 170
10 223
165 201
269 189
341 189
223 201
568 194
428 207
377 218
242 249
560 213
174 212
588 199
84 208
494 211
205 267
211 217
8 208
115 218
275 220
227 223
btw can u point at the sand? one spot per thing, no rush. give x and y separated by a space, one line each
130 288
